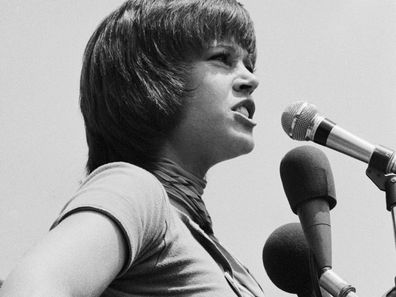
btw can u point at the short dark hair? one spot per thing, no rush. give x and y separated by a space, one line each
136 69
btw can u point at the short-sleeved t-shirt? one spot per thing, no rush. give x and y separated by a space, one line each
163 258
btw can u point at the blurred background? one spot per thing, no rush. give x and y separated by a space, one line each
337 54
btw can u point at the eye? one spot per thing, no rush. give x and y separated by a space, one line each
223 57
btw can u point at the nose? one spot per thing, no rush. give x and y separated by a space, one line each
245 81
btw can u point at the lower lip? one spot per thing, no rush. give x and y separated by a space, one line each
244 120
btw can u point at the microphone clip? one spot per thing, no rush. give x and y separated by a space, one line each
382 176
381 166
381 173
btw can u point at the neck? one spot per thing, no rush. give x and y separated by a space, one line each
184 191
188 161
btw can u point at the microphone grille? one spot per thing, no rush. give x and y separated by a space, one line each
286 260
297 118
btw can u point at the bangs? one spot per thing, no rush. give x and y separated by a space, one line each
186 27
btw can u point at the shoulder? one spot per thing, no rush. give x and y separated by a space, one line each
123 175
131 197
122 188
120 180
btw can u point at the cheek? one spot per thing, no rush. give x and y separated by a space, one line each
209 104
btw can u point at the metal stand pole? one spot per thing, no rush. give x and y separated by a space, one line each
386 182
390 189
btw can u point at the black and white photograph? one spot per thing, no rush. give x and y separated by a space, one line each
197 148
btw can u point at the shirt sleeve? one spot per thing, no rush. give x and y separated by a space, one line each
130 196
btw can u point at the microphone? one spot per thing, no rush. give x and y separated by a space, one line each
301 121
286 261
309 186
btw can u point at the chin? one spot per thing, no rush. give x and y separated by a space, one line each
242 146
248 148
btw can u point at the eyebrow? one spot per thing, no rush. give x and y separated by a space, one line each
234 48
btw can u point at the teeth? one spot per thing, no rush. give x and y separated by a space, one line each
243 110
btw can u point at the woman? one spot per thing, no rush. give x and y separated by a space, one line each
166 94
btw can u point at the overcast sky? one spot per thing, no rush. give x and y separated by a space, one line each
337 54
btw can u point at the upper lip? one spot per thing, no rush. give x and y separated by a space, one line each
248 104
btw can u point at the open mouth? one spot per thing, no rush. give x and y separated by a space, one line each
245 108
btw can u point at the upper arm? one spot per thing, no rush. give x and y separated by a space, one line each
117 215
80 257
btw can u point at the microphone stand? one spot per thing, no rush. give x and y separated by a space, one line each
315 276
390 190
378 171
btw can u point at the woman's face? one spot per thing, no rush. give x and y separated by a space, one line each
217 122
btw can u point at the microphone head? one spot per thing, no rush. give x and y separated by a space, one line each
286 260
306 174
297 118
